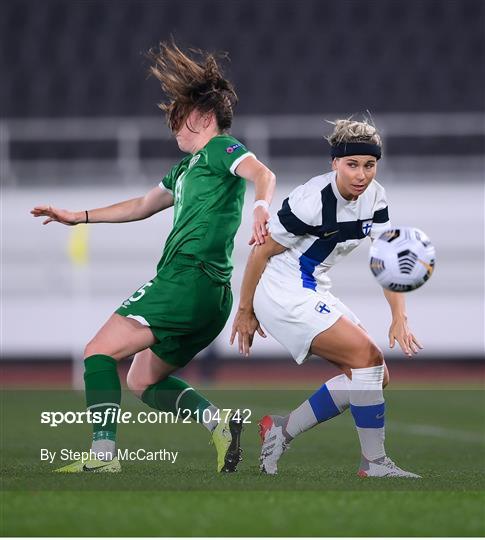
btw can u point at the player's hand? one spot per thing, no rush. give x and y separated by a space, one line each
399 331
245 325
260 226
56 214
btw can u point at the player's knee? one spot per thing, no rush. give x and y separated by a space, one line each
90 349
372 357
135 383
385 382
96 346
376 356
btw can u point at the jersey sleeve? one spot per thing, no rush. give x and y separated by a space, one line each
168 180
300 214
226 153
380 219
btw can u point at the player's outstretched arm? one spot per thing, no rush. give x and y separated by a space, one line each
154 201
264 184
399 330
245 324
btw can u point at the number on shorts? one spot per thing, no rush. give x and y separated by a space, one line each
140 292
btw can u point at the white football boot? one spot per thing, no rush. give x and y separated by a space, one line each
383 468
273 444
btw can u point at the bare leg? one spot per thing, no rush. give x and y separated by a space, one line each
147 369
120 337
348 372
347 345
149 379
350 348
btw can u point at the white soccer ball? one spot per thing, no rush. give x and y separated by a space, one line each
402 259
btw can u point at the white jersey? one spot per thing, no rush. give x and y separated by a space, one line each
319 227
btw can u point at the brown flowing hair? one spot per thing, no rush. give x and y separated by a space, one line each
192 83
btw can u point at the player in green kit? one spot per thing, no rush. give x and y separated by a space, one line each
179 312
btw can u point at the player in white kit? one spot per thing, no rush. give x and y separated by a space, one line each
286 289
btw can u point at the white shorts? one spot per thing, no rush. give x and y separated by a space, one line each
294 315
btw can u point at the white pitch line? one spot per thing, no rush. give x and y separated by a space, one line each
437 431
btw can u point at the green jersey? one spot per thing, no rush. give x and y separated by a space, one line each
208 201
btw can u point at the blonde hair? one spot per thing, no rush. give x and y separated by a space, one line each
353 131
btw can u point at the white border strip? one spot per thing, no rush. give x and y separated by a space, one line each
104 405
139 318
180 395
238 160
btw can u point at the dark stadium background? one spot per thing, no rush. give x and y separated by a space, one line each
80 127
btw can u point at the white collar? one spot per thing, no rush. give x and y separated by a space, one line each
337 193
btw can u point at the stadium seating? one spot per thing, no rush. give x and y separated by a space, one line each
85 58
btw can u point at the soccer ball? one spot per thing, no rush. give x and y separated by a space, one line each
402 259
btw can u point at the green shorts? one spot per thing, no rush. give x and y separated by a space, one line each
184 308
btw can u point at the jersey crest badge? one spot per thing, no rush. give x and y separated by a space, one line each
366 226
233 148
322 308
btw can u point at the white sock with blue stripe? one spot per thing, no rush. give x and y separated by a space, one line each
328 401
367 408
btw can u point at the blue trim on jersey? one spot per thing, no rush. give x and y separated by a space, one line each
352 230
381 216
370 416
329 212
293 224
323 405
307 267
330 233
313 256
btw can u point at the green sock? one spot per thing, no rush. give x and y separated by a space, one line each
172 394
103 393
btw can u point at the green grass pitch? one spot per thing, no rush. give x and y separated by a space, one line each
438 433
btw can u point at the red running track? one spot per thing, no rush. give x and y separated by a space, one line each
253 373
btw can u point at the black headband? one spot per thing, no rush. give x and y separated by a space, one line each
356 149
